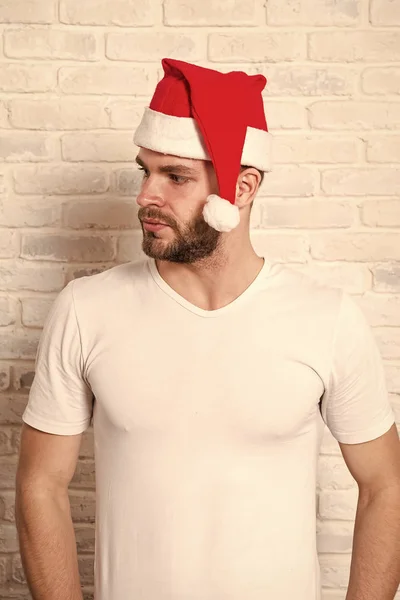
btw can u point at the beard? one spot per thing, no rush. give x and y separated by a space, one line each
194 241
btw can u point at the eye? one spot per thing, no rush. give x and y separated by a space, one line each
178 179
145 172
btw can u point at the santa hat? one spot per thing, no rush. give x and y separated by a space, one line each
204 114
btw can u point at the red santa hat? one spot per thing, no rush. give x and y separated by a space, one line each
205 114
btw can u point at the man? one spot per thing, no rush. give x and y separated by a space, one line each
209 373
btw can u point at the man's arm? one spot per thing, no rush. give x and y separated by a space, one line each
375 564
43 517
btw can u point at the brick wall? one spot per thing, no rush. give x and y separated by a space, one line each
74 78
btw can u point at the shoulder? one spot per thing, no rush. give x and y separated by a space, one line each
303 291
108 285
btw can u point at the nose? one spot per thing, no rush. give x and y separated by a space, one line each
150 193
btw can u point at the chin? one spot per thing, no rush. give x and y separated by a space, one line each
155 248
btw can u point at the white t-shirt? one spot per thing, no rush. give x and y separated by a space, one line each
207 425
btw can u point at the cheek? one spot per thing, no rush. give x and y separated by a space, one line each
186 202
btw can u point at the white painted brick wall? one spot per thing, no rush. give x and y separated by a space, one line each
75 76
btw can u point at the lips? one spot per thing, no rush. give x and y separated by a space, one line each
153 222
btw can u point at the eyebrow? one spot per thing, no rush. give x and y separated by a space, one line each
178 169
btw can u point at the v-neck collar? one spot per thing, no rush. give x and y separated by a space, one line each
200 311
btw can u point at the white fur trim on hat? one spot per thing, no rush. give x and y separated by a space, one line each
221 214
180 136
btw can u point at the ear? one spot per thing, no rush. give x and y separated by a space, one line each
247 186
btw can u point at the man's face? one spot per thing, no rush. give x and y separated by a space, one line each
174 191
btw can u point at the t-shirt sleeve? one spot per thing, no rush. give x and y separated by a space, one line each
60 400
355 405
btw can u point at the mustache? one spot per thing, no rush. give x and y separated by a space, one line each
146 213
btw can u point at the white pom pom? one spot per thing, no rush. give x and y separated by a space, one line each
221 214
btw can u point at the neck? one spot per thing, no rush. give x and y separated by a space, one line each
217 280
